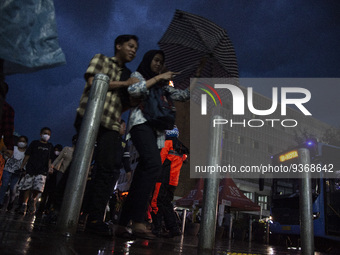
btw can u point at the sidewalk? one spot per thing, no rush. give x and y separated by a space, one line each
27 235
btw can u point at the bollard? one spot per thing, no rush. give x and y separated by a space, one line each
267 232
74 192
210 194
306 206
183 220
209 211
231 228
250 229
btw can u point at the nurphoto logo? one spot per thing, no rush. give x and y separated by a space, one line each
238 100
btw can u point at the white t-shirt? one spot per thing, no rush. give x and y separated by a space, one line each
14 162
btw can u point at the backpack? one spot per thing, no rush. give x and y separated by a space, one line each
158 109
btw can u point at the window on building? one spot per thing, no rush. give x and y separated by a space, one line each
263 202
240 140
249 195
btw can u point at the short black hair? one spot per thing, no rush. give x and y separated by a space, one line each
45 128
23 136
124 38
58 146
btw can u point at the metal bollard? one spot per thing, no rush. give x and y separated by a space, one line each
306 206
183 220
231 228
74 192
210 194
267 232
250 237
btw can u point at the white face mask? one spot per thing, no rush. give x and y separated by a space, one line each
22 144
45 137
57 153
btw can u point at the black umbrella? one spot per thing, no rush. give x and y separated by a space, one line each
188 39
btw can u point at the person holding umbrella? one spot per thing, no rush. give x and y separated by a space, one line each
148 138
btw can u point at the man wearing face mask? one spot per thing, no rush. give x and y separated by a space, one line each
37 160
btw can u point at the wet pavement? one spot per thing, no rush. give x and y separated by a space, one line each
29 235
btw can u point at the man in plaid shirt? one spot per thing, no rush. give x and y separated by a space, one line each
108 161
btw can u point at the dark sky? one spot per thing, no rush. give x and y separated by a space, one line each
271 39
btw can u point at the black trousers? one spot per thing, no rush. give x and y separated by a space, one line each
108 158
165 207
144 179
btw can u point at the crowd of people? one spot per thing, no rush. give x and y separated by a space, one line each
30 168
43 168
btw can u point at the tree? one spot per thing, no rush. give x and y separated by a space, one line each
332 136
304 136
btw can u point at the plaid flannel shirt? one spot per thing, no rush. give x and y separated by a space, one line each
113 105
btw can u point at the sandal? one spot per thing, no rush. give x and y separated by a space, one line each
140 230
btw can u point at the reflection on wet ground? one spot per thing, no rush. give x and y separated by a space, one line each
29 235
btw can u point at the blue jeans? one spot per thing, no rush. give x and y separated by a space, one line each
8 178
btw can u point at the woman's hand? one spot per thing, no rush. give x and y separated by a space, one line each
167 76
163 76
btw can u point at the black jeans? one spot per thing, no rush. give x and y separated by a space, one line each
166 209
108 158
145 176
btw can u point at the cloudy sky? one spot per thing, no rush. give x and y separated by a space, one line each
271 39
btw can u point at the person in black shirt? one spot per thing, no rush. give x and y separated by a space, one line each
37 160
